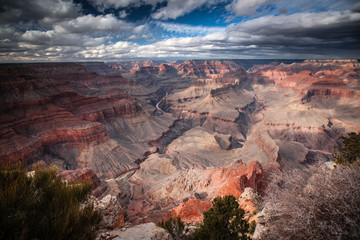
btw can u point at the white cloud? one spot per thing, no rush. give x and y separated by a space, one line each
177 8
116 50
188 29
90 24
45 39
122 14
245 7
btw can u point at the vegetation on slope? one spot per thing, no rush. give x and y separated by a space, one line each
225 220
321 204
42 206
175 227
349 150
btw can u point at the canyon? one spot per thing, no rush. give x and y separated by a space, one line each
168 137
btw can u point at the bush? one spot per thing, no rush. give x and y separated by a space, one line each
175 227
42 206
252 227
325 205
225 220
349 150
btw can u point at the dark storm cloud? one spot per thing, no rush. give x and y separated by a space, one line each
332 33
356 7
40 10
102 5
172 9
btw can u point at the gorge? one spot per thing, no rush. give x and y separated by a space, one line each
170 136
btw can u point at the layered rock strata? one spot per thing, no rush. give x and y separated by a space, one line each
223 125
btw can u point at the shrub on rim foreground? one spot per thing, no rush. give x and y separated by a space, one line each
42 206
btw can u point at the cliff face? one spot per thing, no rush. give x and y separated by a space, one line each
136 65
180 133
206 68
316 77
60 112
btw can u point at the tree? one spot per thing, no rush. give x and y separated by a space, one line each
175 227
349 150
322 204
225 220
42 206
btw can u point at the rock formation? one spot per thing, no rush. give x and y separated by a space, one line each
112 213
81 175
169 137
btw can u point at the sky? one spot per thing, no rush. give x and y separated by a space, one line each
123 30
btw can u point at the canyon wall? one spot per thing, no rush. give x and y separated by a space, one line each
169 137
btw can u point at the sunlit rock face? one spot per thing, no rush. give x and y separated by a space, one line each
169 137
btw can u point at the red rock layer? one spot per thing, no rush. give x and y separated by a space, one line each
237 179
227 181
47 104
204 68
337 78
136 65
80 175
191 210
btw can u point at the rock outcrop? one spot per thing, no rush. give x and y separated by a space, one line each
112 213
144 231
81 175
192 210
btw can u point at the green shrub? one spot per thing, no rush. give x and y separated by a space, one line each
174 226
252 227
42 206
225 220
349 150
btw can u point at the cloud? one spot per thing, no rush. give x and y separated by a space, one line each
102 5
104 37
116 50
45 39
356 7
257 7
172 10
324 25
188 29
122 14
301 35
245 7
47 11
91 24
178 8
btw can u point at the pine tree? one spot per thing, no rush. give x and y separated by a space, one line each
225 220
